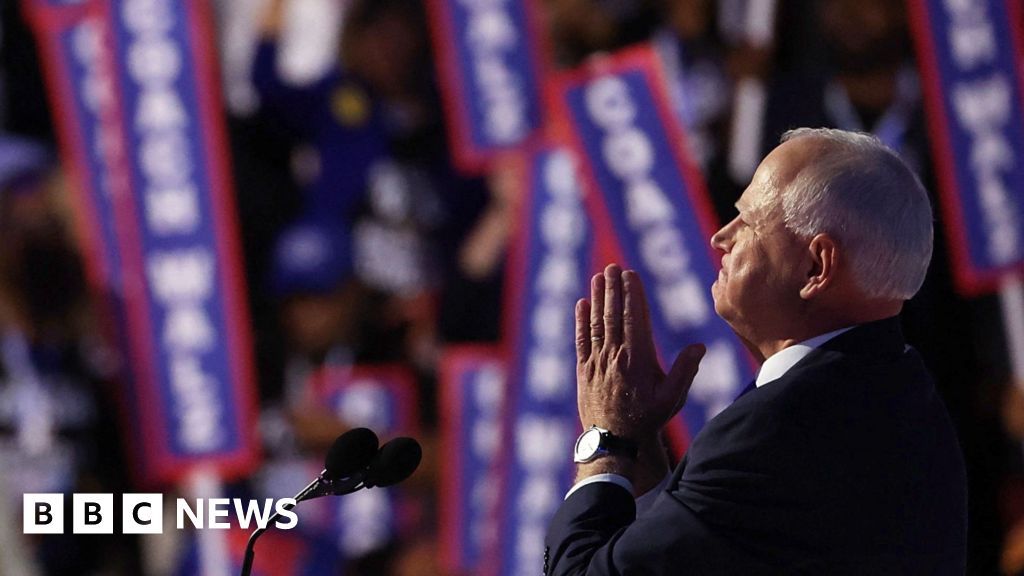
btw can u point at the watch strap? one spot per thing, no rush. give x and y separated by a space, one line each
619 445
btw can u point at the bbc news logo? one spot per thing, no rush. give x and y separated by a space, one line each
144 513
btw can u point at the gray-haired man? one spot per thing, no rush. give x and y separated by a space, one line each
841 458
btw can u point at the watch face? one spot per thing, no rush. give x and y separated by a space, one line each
588 444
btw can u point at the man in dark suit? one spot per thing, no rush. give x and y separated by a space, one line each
840 457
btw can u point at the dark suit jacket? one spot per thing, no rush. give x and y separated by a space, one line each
848 464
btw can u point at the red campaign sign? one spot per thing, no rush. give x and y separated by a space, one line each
971 57
549 264
472 381
387 398
650 199
79 83
492 59
188 402
180 432
70 44
382 398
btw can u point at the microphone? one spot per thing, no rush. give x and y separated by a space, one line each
344 466
396 461
350 452
352 463
349 456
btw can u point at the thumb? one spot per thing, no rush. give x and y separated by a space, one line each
684 369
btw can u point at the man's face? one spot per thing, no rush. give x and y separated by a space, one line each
758 287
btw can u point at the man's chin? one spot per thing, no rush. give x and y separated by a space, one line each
716 289
719 309
722 307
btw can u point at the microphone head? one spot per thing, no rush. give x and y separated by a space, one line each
396 461
352 451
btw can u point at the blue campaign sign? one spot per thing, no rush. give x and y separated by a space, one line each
383 399
970 57
652 200
73 42
549 270
91 101
490 55
182 284
473 396
81 90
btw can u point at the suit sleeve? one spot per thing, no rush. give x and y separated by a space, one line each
715 517
594 533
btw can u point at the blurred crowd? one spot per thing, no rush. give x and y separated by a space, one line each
364 245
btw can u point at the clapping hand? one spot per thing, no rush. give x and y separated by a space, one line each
620 384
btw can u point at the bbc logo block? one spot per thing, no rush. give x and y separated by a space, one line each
43 514
93 513
142 514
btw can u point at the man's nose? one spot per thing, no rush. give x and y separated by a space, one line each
719 240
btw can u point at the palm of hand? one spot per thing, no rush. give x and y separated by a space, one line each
621 385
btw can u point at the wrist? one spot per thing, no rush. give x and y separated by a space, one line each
609 464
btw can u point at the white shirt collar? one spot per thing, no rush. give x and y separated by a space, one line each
778 364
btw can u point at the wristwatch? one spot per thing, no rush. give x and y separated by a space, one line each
596 442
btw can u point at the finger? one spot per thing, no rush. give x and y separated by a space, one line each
633 322
583 342
596 309
613 305
641 297
680 376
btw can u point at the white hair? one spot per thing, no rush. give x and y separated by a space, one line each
861 193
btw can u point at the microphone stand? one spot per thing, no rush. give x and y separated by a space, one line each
320 486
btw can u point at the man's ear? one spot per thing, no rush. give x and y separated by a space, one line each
823 256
